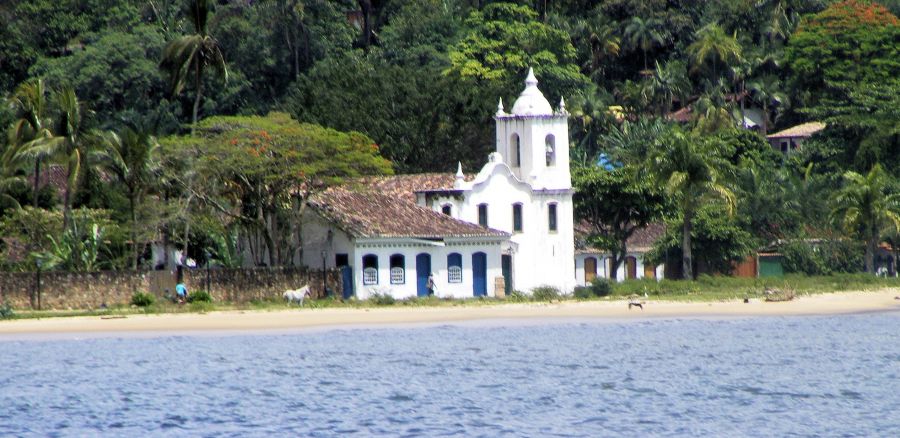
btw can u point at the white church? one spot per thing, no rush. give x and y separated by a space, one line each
508 227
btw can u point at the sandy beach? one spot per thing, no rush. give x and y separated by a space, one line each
821 304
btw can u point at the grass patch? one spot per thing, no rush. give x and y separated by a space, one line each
704 289
708 288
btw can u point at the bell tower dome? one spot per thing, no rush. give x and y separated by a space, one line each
533 139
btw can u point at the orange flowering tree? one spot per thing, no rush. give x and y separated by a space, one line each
851 42
259 171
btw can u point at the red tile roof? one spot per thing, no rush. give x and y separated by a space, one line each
641 240
406 186
804 130
367 211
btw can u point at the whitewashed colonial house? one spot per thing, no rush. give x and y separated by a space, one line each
591 262
510 226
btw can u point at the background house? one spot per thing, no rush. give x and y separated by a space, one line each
789 140
592 262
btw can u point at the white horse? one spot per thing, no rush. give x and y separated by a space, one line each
297 295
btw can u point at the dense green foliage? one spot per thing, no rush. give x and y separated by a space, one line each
90 85
142 299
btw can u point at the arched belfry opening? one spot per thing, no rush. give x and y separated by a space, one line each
515 146
550 149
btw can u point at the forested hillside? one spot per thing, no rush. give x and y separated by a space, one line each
177 120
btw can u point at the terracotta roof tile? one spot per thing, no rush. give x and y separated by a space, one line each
367 211
641 241
804 130
406 186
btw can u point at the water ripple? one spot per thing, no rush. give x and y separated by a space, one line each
832 376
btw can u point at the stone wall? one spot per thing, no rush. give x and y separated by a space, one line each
244 285
90 290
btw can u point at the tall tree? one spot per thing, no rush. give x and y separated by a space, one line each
668 82
32 112
689 170
644 34
259 172
767 91
712 45
70 142
132 158
614 203
191 55
867 206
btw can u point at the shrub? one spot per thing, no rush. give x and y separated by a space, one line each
6 312
382 299
583 292
199 297
545 293
601 287
142 299
800 258
517 297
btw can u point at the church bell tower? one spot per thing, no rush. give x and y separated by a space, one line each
533 139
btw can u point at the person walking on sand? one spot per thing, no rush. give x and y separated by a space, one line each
430 285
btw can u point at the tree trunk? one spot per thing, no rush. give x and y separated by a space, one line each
687 262
134 244
871 246
67 200
37 178
187 233
765 121
199 83
366 7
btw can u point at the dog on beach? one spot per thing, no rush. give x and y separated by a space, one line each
634 304
297 295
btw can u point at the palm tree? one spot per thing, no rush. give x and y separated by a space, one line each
712 110
644 34
590 112
132 158
69 141
668 82
767 90
689 171
192 55
713 45
30 103
867 205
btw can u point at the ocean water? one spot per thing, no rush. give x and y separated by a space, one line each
767 376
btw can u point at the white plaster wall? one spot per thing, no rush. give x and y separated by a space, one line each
602 266
385 248
315 240
532 132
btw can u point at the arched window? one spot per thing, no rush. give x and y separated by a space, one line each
517 217
516 151
370 269
454 268
447 209
483 215
551 217
398 269
550 149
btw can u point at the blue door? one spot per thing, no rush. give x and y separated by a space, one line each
479 274
347 279
423 271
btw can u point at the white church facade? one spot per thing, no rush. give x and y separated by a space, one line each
509 227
